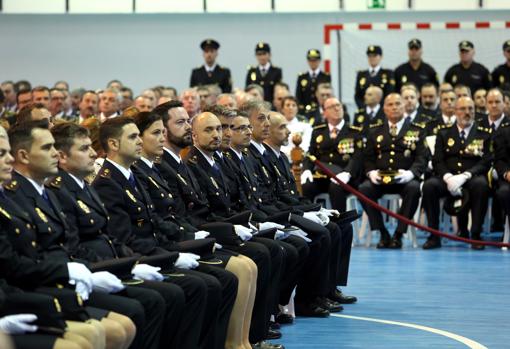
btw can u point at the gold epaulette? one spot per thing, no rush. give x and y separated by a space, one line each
506 124
105 173
319 126
193 159
378 123
55 182
356 128
12 185
419 124
312 157
484 129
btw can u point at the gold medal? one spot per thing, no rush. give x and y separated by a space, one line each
413 146
379 138
84 207
130 195
386 179
253 76
451 142
5 213
319 138
360 119
404 79
454 79
362 81
501 79
346 157
41 215
407 153
304 82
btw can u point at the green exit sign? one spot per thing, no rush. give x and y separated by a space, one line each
376 4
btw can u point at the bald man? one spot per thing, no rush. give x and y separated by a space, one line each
395 158
371 112
461 160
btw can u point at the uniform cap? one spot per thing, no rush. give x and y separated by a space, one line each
414 43
209 43
374 50
506 45
262 47
313 54
466 45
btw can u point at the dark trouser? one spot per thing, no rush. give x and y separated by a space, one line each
175 303
410 193
341 243
337 195
297 253
146 308
268 264
503 197
498 212
229 285
435 188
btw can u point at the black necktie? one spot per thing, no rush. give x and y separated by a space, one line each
462 136
132 180
86 190
493 127
45 196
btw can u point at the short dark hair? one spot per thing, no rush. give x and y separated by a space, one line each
40 89
282 84
25 114
62 82
112 128
163 109
21 92
144 120
22 85
429 84
20 135
65 133
86 92
220 110
288 98
127 89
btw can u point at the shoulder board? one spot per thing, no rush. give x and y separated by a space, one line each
105 173
359 110
356 128
302 73
193 160
484 129
228 154
55 182
245 151
158 160
12 185
377 124
319 126
506 124
419 124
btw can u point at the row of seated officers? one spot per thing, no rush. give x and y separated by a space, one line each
456 154
159 251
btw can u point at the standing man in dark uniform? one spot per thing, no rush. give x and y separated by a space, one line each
461 160
395 158
265 74
373 76
339 146
501 75
415 70
211 73
307 82
502 165
468 72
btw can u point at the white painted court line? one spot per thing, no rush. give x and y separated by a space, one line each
466 341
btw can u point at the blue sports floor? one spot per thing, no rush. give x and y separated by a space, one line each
454 289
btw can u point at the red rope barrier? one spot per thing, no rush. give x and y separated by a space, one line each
406 220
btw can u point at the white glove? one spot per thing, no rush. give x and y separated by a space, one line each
18 323
79 272
345 177
147 272
243 232
323 217
300 234
306 176
252 227
217 246
312 216
83 290
328 212
106 282
454 183
187 260
201 234
404 176
495 174
269 225
429 165
374 177
280 235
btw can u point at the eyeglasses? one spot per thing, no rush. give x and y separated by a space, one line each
242 128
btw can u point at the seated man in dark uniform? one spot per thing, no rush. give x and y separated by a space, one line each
461 161
395 158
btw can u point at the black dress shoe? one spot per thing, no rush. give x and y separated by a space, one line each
341 298
332 306
396 242
431 243
273 334
311 310
384 242
284 319
274 325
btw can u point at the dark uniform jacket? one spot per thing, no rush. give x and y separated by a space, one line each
273 75
406 151
451 156
484 122
132 220
20 262
384 79
502 149
501 76
89 237
306 87
474 77
344 153
220 76
405 73
364 120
